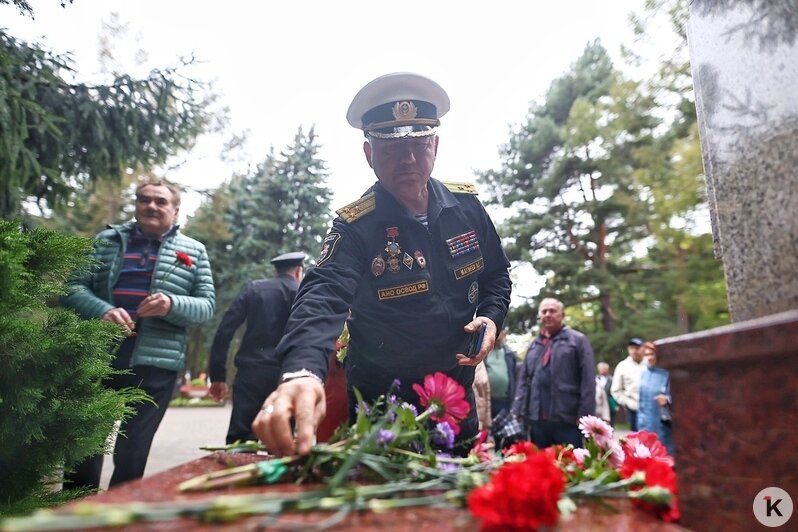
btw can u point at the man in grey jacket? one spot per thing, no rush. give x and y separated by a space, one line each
557 381
154 282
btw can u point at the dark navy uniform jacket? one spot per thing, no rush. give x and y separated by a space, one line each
411 290
264 304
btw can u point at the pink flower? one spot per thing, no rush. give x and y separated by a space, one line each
580 455
597 429
634 443
446 396
617 455
481 450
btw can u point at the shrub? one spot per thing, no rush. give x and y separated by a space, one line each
54 410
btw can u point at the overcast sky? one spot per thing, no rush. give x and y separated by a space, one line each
279 65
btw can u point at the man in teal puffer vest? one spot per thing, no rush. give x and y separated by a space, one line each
154 282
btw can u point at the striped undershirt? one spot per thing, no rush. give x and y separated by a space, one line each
135 276
421 218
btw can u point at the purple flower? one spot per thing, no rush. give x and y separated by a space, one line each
385 436
396 384
443 435
365 408
412 408
446 467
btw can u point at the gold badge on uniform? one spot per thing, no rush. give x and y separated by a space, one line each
377 266
407 260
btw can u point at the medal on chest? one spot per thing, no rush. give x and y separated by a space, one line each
393 250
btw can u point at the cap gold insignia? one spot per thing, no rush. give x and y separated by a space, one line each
404 111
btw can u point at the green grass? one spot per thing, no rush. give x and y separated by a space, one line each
193 401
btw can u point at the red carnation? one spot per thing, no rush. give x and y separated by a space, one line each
183 257
520 496
658 473
526 448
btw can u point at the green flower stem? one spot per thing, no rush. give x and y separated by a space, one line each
426 413
241 475
596 488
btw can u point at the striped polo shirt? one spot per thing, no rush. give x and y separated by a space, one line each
135 276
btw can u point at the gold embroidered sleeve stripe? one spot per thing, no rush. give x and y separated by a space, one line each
357 209
461 188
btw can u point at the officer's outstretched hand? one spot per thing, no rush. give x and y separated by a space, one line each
487 342
301 399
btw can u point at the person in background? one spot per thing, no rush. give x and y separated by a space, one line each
417 261
154 282
626 381
557 382
264 305
655 398
481 387
602 402
604 379
501 363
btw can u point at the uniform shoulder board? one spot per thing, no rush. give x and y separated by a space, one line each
357 209
460 187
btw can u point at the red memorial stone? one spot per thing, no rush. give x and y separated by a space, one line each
735 418
616 515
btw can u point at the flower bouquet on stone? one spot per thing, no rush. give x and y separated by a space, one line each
395 456
535 488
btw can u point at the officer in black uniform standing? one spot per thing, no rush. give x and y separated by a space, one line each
418 262
265 305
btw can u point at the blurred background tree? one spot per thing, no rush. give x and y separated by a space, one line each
281 206
604 192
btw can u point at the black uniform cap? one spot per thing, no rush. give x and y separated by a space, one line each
288 260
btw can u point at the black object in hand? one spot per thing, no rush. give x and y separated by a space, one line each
476 341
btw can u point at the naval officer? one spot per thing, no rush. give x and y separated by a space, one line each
417 261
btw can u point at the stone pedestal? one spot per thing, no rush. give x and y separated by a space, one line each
617 514
735 418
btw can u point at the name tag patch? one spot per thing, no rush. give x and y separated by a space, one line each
403 290
469 269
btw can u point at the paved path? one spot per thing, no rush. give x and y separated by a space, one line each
178 440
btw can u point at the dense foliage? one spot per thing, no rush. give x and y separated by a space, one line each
604 182
54 408
58 136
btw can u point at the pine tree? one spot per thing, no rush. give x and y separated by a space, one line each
60 136
284 205
568 177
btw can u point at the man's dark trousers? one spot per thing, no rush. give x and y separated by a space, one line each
252 385
135 434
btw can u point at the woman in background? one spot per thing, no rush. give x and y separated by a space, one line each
655 398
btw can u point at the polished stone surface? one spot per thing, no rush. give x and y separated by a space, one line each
735 418
618 515
744 59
